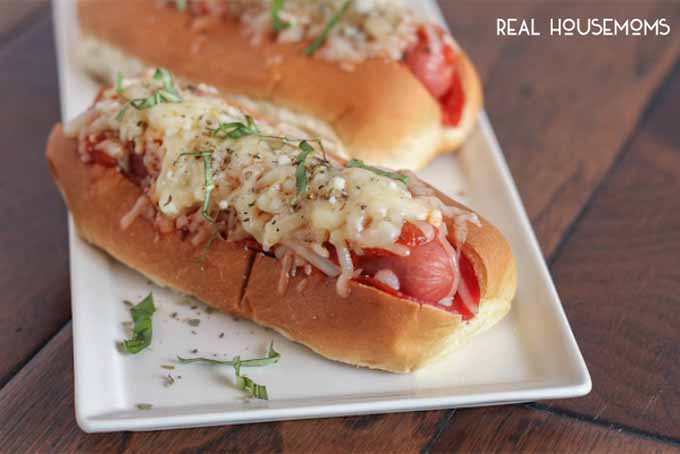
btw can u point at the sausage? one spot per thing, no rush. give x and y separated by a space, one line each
431 69
425 274
437 72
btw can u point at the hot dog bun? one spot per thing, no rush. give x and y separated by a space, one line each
379 112
369 328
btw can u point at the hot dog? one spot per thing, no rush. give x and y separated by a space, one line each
372 267
383 86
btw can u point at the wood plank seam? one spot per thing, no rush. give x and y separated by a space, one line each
604 423
24 27
16 369
439 429
616 163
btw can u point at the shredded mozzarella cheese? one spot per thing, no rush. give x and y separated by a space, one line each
198 174
369 29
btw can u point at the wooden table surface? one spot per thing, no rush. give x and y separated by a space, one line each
591 130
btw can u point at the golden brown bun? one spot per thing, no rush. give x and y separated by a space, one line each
99 197
379 111
369 328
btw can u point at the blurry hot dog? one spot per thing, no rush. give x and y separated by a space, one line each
369 77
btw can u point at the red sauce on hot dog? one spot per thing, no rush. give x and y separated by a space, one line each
425 275
136 170
98 156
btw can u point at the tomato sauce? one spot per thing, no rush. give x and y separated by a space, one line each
136 171
98 156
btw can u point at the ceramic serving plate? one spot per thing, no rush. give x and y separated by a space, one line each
530 355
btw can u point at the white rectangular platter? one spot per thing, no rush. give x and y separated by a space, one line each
530 355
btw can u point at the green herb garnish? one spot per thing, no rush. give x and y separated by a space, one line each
181 5
169 380
301 171
277 23
141 332
293 142
242 381
319 40
144 406
236 129
360 164
271 358
204 253
119 82
167 94
208 183
245 383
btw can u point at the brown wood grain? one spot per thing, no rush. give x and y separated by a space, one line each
620 281
562 107
36 408
47 383
526 430
34 257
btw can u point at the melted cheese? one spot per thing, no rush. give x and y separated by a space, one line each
369 28
254 176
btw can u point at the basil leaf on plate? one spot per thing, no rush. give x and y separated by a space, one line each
142 330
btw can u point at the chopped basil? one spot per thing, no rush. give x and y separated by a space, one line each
271 358
167 94
236 129
277 23
245 383
208 183
204 253
165 76
141 332
119 83
319 40
144 406
121 114
301 171
242 381
181 5
360 164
